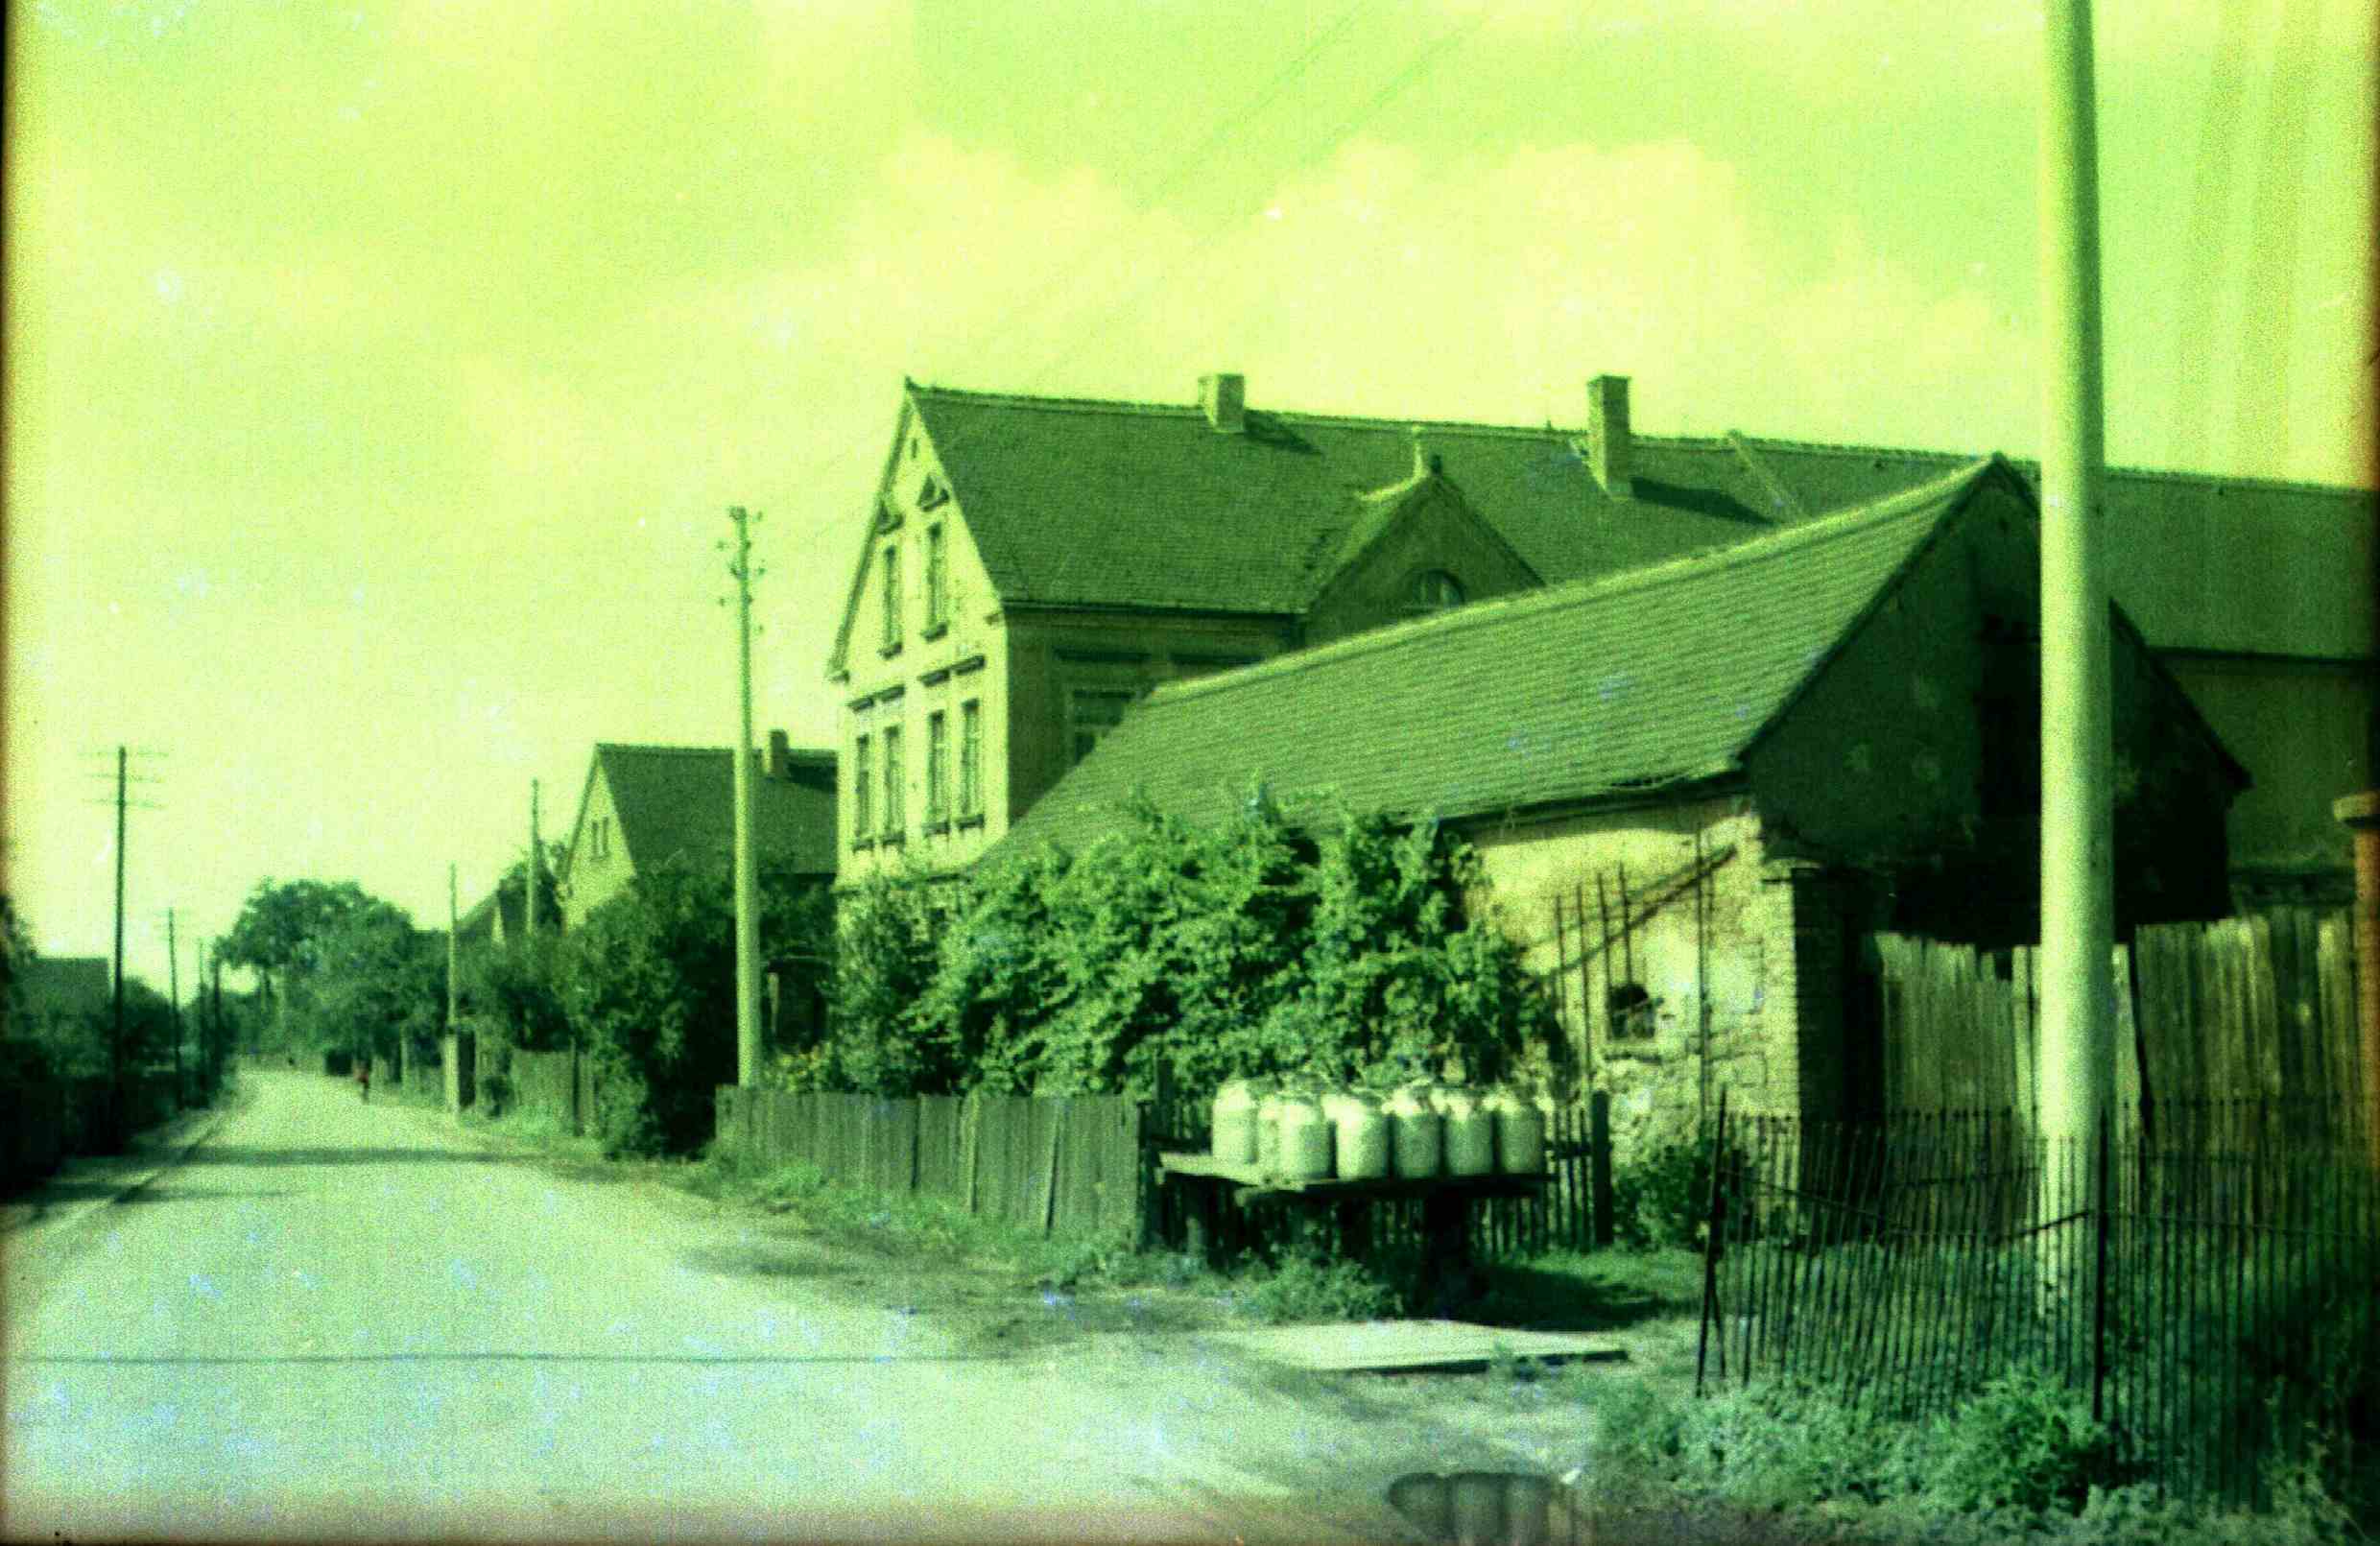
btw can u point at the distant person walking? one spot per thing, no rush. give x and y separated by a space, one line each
363 1078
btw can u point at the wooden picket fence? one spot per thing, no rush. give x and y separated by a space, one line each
2246 1014
1070 1165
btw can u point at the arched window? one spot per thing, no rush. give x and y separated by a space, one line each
1432 590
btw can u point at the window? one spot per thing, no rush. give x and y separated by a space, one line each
1093 712
1630 1012
937 768
1432 590
892 596
937 597
862 792
931 493
599 839
971 758
893 820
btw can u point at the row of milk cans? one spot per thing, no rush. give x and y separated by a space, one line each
1414 1133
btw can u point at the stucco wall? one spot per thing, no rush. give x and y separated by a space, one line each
932 669
1053 653
1749 968
594 879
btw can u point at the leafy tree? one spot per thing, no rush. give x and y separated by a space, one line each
377 981
1241 948
647 984
281 929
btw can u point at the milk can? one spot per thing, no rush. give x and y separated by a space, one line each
1417 1136
1235 1122
1269 1131
1470 1135
1520 1134
1305 1138
1361 1132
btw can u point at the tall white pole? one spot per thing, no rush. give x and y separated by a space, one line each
2078 816
746 877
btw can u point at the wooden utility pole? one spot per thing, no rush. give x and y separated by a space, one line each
454 999
529 925
747 879
172 991
2078 818
115 1041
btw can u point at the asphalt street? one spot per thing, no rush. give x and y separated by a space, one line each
334 1319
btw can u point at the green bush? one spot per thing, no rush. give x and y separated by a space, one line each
1235 948
2026 1442
1660 1195
1302 1285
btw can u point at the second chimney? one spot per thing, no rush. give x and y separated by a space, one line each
1608 452
1224 397
780 755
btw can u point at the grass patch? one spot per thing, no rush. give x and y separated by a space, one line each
1601 1291
2021 1462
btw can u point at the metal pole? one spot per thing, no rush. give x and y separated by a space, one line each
747 880
2077 897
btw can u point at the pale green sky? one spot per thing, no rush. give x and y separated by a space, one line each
378 373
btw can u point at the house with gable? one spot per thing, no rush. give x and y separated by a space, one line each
1031 567
648 807
1788 742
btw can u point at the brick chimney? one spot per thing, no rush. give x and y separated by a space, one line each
1608 450
1224 397
780 755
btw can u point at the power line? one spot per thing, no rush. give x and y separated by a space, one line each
1194 161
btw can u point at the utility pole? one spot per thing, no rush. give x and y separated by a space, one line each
530 928
115 1041
173 993
747 879
2078 818
454 1000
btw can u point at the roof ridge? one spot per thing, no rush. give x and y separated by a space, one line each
1674 442
1556 598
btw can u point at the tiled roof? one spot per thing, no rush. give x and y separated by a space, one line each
1113 504
678 803
1662 676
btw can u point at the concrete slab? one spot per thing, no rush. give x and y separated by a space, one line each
1413 1346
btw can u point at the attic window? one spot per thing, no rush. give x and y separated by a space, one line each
1432 590
931 493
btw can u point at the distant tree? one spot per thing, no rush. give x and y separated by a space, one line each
378 981
283 928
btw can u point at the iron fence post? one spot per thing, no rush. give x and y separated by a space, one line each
1715 1225
2099 1283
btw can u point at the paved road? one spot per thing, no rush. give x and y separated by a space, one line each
335 1319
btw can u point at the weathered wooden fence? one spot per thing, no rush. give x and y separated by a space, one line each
561 1085
1071 1165
2258 1009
